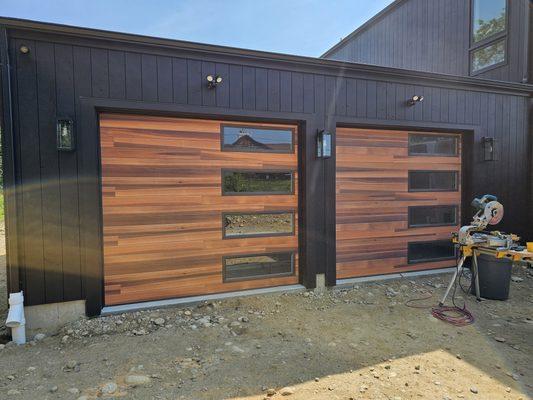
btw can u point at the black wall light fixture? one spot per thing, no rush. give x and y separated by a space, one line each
415 99
323 144
489 148
213 81
65 134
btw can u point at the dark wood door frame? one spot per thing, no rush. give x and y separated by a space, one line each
468 134
88 137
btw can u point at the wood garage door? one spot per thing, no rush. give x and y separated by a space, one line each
398 198
193 207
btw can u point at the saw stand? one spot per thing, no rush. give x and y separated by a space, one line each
465 253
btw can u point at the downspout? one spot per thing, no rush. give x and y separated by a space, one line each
15 318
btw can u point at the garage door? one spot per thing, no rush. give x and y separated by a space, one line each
398 198
194 207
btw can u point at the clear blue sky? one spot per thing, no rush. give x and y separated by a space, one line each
303 27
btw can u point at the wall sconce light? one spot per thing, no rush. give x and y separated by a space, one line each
213 81
65 134
24 49
415 99
323 144
489 148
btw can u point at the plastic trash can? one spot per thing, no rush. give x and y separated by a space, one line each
494 277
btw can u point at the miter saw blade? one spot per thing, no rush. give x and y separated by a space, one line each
493 212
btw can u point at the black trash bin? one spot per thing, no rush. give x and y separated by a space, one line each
494 277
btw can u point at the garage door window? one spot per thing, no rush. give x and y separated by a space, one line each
253 139
257 182
432 181
432 145
258 266
432 216
240 225
436 250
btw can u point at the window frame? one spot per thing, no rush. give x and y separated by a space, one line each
503 35
455 136
271 171
411 190
292 271
430 260
259 235
271 128
410 210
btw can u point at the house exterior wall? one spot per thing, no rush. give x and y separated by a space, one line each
55 230
434 36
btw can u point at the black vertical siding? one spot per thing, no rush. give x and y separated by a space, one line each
59 203
434 36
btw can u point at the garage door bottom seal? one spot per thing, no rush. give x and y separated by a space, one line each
196 299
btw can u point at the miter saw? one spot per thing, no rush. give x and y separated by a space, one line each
473 240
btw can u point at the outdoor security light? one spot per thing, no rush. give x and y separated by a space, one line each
65 134
323 144
489 149
415 99
213 81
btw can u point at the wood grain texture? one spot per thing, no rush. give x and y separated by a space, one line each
162 207
372 202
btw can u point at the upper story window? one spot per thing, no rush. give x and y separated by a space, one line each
489 18
488 39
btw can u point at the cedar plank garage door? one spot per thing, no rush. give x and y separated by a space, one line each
376 202
163 208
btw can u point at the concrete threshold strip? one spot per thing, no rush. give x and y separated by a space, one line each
197 299
350 282
341 284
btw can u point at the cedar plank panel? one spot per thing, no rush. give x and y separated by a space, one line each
372 201
162 206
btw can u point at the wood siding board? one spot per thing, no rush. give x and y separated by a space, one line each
32 223
165 82
149 77
208 94
273 90
51 196
194 82
133 76
117 75
261 89
100 72
223 90
297 91
309 93
179 80
236 86
82 88
68 176
285 91
248 88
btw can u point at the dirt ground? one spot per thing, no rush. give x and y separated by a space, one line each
358 343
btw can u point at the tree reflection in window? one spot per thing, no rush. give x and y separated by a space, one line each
489 18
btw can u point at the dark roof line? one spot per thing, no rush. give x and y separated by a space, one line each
312 64
363 27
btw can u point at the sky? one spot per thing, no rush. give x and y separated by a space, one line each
302 27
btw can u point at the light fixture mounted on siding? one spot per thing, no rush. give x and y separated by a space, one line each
65 134
323 144
213 81
489 148
415 99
